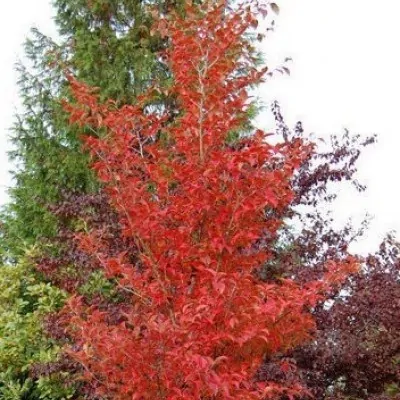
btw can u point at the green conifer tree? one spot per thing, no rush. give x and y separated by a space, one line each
105 43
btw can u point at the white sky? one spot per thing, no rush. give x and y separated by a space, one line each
20 17
345 74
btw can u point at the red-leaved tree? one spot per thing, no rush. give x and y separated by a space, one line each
191 210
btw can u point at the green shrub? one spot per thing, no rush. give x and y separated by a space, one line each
24 301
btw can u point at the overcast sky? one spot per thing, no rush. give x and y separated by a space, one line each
345 74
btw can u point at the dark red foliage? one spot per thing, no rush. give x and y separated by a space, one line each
70 267
356 351
357 347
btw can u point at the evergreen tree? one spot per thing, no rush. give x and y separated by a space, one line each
105 43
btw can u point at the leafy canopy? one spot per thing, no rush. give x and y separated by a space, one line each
198 323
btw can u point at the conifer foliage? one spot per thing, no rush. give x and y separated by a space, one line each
192 207
105 43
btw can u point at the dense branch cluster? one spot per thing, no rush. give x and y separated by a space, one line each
193 207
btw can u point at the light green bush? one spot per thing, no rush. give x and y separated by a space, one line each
24 301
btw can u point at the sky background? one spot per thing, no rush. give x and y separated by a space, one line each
344 74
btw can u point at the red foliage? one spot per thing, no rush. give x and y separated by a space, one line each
199 323
357 344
